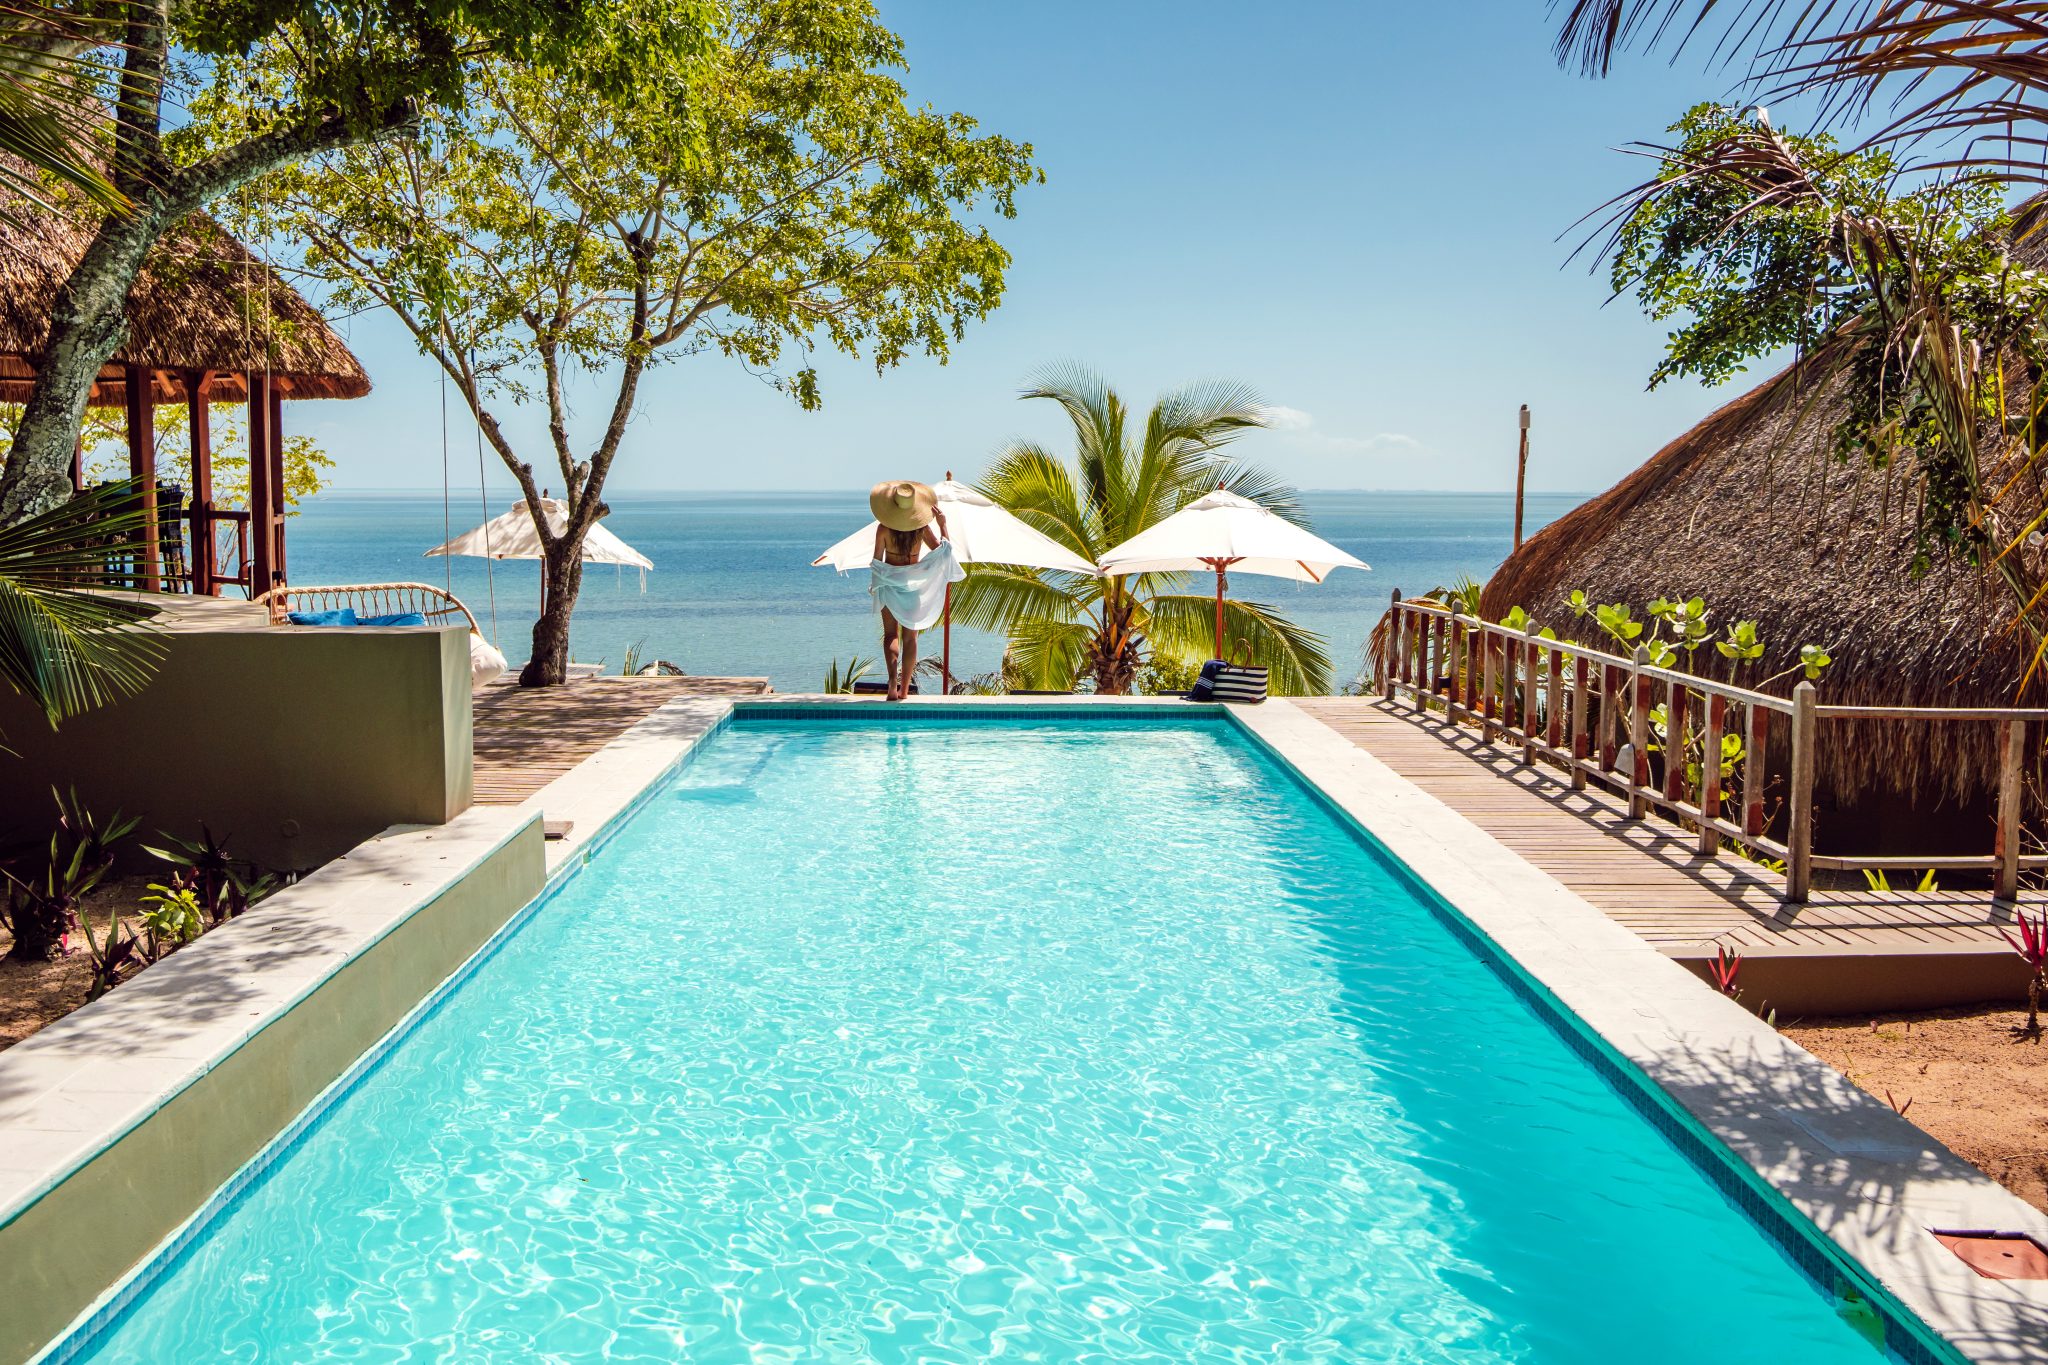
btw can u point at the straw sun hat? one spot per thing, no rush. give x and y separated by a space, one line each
902 505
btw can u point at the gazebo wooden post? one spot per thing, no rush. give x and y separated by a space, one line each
140 389
198 385
78 463
274 429
262 492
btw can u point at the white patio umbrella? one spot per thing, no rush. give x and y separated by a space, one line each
981 532
1221 531
514 536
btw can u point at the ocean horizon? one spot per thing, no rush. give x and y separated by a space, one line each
733 591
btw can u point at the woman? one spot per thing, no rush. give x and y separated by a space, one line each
908 585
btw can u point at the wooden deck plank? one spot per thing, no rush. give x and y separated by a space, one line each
526 737
1645 874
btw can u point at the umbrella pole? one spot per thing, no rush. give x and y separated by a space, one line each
1219 609
946 662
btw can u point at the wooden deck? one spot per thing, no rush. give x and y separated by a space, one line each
1646 874
526 737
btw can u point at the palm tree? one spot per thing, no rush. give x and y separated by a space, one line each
1066 627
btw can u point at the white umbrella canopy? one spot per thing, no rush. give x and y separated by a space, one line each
981 532
1221 527
1223 531
514 536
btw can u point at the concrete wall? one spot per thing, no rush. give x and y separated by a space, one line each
61 1251
1872 981
295 744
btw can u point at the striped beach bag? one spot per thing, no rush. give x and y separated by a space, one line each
1224 680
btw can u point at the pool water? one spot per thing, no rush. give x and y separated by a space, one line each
966 1042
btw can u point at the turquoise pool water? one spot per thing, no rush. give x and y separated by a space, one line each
949 1043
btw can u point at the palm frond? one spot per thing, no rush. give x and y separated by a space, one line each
1000 597
1298 660
66 645
1035 486
1049 655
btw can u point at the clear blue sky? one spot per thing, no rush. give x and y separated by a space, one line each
1357 208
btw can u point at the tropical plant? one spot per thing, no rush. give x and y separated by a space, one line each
1725 967
47 889
192 101
1064 628
840 678
113 958
66 643
224 886
1878 880
558 233
172 916
2032 946
44 128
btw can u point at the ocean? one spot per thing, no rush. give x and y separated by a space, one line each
732 590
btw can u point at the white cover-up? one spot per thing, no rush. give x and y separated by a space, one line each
915 594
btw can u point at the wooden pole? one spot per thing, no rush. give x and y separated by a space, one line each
276 433
2006 848
1219 606
78 463
1582 743
1387 660
1639 736
198 384
1531 666
1757 720
1521 474
1799 795
262 495
141 394
1710 774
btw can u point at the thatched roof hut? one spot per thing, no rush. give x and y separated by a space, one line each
203 302
1751 511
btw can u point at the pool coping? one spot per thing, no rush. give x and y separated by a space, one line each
1868 1180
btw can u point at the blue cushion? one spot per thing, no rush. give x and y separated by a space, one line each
346 616
396 618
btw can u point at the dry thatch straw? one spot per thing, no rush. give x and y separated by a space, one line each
202 302
1752 511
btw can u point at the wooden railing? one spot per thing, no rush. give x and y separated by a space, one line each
1591 713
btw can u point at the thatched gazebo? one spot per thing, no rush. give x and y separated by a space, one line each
207 323
1752 511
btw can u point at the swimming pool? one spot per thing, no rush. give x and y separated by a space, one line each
957 1039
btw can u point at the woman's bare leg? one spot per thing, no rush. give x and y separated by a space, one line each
909 663
892 650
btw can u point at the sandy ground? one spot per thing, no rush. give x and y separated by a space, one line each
1971 1080
33 994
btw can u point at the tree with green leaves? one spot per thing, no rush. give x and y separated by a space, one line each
1063 628
1903 297
204 99
555 236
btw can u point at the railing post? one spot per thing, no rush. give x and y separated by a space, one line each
1438 629
2006 848
1755 740
1531 653
1639 736
1391 655
1454 689
1799 832
1582 743
1610 716
1486 688
1710 775
1676 698
1553 734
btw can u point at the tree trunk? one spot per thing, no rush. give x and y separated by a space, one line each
562 571
88 320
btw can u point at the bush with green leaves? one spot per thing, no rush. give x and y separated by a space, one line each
47 888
